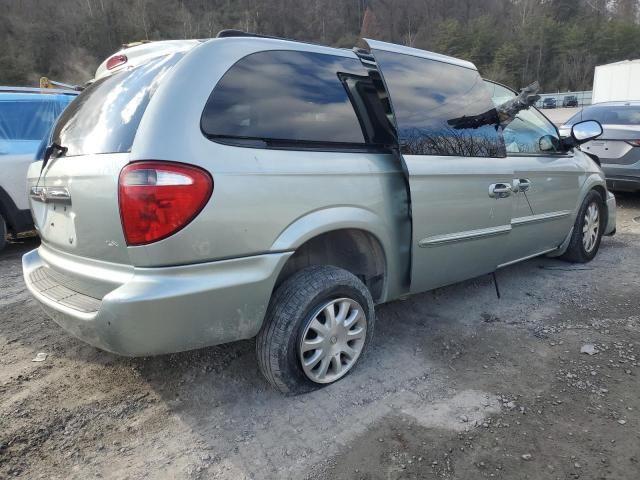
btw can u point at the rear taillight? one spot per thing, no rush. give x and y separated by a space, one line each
634 143
116 61
157 199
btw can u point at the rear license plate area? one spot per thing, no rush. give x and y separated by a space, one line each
56 223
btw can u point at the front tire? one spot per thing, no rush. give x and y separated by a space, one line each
318 324
587 230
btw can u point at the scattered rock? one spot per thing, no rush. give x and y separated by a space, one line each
40 357
589 349
526 456
489 318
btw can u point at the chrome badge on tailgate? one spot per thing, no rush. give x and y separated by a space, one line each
51 195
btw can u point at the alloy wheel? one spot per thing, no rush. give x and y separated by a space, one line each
591 227
333 340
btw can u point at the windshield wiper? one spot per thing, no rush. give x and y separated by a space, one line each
50 150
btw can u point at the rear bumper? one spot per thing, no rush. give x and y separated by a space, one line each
162 310
623 184
622 177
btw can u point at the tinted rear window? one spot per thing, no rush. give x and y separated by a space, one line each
105 117
440 108
289 96
609 115
30 118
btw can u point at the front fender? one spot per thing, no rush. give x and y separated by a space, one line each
592 180
597 180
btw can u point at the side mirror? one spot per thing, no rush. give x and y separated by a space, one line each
584 131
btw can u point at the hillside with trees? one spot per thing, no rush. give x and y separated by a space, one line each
557 42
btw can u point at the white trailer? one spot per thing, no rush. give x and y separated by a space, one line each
618 81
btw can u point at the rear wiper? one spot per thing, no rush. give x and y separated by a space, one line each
50 150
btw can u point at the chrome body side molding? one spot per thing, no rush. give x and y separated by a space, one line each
438 240
542 217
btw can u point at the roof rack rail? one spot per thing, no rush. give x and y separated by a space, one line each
239 33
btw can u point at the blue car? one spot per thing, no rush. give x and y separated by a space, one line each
26 118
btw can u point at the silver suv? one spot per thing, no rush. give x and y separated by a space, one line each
263 187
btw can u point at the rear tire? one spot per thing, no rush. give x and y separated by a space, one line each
3 233
587 230
302 346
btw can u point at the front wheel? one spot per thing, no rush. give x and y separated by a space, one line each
318 324
587 230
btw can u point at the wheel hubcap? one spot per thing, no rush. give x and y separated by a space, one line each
333 340
591 227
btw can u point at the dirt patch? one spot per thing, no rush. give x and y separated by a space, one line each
566 415
458 384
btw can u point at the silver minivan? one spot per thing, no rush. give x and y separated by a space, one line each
260 187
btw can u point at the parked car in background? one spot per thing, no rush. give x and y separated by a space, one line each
26 117
135 54
619 146
570 101
549 102
264 187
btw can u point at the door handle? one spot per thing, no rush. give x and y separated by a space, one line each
521 184
500 190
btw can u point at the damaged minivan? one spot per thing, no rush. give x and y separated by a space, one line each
261 187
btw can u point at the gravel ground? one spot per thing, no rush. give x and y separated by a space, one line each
458 384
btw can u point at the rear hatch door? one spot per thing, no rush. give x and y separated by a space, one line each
74 198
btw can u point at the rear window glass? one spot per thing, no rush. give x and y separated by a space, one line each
609 115
286 96
30 119
105 117
440 108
